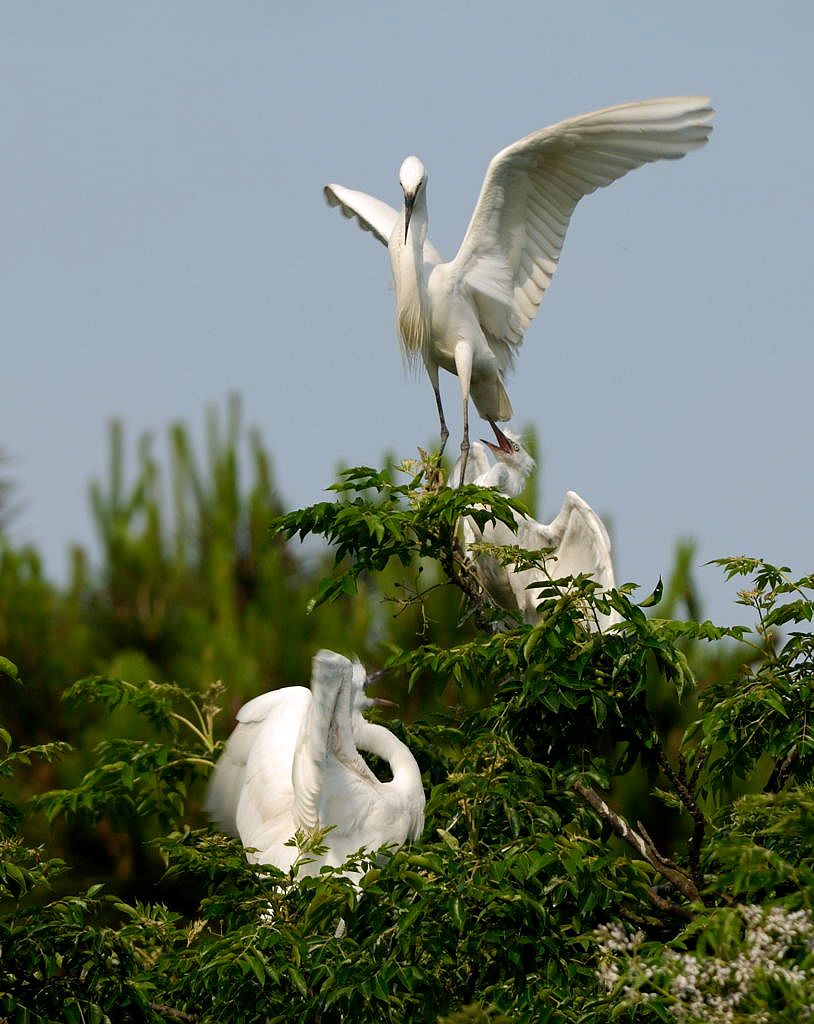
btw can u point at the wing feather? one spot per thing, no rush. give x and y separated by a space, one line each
583 544
256 760
531 188
371 215
580 544
226 784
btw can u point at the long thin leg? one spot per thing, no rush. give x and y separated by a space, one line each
465 441
463 365
444 430
432 371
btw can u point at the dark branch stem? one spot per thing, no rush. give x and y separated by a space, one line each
168 1011
644 846
674 874
687 797
668 907
640 920
699 767
462 573
780 772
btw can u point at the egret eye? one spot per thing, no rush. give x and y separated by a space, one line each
516 447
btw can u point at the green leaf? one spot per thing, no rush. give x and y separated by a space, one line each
775 701
655 597
298 980
8 668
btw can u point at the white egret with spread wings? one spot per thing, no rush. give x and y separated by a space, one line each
468 316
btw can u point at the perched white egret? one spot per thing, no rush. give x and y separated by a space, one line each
508 473
577 535
293 763
468 316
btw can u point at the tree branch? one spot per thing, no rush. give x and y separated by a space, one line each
687 797
461 571
640 920
780 772
699 767
168 1011
646 849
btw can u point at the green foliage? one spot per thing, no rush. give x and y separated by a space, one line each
140 779
619 823
192 586
766 716
378 521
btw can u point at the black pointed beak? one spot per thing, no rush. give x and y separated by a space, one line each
409 200
374 677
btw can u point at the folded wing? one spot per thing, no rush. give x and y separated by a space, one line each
256 760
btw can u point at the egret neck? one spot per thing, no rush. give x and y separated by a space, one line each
406 247
405 790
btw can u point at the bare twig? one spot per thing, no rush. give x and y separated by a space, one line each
780 772
640 920
168 1011
687 797
462 573
668 907
674 874
701 760
617 823
646 849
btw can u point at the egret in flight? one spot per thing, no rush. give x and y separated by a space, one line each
293 763
577 536
468 316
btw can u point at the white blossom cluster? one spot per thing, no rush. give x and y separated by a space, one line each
712 989
615 944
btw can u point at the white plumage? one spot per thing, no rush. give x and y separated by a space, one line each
577 535
468 316
293 763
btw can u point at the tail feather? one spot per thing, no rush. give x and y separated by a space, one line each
490 398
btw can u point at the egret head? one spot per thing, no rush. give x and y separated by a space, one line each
412 176
360 681
509 449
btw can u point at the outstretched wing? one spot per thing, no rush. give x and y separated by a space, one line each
582 544
371 215
513 242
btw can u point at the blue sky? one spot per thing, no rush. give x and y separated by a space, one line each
165 242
